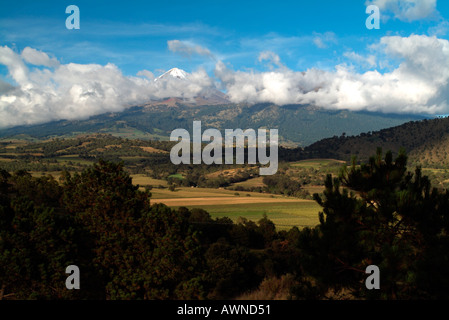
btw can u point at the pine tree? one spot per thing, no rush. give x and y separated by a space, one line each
37 240
378 213
141 251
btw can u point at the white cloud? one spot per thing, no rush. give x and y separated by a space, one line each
323 40
5 87
77 91
271 57
369 61
441 29
419 84
38 58
407 10
280 86
16 67
173 87
147 74
187 48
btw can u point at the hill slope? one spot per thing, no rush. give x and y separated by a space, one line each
426 143
298 125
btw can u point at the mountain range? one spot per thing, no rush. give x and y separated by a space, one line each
298 125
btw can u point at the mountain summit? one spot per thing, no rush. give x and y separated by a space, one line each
206 96
175 73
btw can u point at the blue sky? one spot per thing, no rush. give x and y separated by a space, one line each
133 34
280 51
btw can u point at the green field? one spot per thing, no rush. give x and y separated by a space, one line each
285 212
284 215
317 163
176 176
185 192
54 156
143 180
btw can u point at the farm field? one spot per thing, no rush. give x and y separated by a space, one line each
317 163
285 215
285 212
245 200
186 192
143 180
254 182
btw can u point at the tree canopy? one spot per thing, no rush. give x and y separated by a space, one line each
377 213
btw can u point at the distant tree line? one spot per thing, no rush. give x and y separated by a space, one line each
283 184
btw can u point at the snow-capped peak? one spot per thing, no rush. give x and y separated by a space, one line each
175 73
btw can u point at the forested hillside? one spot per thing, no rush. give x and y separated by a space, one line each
426 142
298 125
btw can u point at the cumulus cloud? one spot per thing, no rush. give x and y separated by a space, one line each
281 86
38 58
418 85
187 89
188 49
369 61
406 10
147 74
77 91
5 87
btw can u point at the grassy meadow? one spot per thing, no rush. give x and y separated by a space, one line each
285 212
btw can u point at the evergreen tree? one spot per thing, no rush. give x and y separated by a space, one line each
142 252
378 213
37 240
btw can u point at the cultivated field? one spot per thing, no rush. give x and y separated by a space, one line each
51 157
317 163
285 212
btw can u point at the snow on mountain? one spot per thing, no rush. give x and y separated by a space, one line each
175 73
206 96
